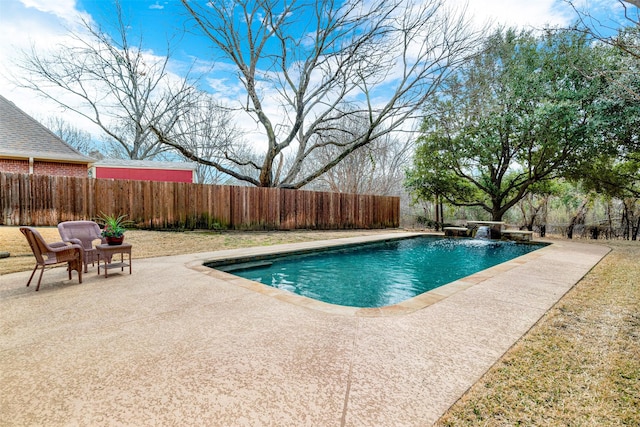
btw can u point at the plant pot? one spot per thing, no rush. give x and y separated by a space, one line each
113 241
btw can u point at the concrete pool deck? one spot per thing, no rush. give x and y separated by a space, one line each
175 344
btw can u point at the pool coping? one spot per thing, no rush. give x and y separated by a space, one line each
405 307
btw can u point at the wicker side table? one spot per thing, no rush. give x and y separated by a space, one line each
107 252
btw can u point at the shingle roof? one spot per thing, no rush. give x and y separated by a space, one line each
21 136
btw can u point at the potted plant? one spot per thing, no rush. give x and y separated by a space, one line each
113 227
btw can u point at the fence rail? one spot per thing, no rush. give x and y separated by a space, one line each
41 200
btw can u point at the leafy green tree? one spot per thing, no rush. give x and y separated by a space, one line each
616 170
520 112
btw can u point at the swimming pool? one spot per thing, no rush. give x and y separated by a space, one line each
378 274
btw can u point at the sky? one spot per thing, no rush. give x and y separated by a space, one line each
43 24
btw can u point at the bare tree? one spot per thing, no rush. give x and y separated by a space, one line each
209 131
306 66
114 84
376 168
72 135
608 32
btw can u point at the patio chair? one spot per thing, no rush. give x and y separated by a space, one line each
82 233
52 253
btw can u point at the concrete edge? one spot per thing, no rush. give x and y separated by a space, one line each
411 305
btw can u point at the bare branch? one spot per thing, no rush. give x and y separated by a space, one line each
112 83
187 153
319 62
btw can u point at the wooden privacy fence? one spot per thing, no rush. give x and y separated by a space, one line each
41 200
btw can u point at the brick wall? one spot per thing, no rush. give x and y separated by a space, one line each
14 166
60 169
44 168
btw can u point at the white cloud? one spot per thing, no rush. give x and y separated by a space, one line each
519 13
156 6
64 10
60 8
42 24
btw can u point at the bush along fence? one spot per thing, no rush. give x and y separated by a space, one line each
41 200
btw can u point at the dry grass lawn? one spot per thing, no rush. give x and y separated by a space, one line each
579 366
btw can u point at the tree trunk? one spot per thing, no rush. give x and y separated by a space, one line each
625 223
498 210
610 232
437 208
578 218
533 219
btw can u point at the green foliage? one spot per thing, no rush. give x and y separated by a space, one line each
615 170
113 226
425 181
613 176
520 113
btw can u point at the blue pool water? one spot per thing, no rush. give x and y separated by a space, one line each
377 275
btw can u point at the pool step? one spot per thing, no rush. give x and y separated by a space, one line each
243 266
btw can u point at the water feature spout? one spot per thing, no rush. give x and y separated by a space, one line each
484 232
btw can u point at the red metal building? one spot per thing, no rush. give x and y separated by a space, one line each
144 170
